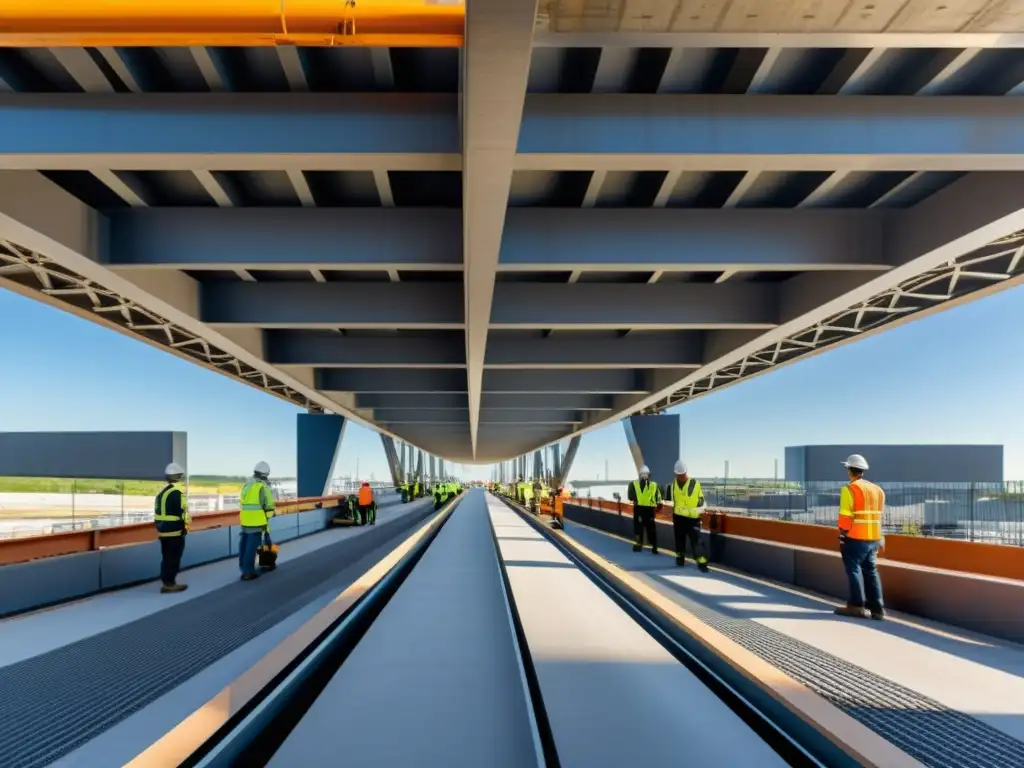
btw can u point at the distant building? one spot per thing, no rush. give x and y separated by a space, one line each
898 463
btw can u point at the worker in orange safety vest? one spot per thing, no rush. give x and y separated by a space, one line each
367 506
860 539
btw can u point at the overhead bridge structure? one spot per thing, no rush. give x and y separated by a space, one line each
561 215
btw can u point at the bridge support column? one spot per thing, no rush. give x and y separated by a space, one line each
564 465
419 465
394 462
318 444
654 441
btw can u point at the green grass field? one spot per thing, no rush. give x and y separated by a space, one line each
197 484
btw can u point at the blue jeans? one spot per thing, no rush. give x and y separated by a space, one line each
859 557
248 543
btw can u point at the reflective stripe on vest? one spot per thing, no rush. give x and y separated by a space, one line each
685 501
252 514
645 497
868 503
169 525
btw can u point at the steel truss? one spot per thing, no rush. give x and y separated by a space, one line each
33 271
1000 261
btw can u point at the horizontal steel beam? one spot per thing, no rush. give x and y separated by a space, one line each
661 132
535 239
399 400
376 380
362 380
560 132
230 131
445 349
568 349
577 401
332 305
487 416
285 238
578 306
329 349
667 239
621 381
638 306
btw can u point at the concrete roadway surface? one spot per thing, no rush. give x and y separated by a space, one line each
438 681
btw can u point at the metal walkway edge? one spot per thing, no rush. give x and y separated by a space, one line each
56 702
932 733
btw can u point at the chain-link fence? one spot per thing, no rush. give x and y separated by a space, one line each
990 512
32 506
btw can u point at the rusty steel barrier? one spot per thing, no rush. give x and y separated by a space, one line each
978 558
20 550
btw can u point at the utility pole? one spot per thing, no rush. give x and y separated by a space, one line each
776 471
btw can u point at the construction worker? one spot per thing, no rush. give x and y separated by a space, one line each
687 499
170 515
646 496
367 506
257 507
538 490
860 538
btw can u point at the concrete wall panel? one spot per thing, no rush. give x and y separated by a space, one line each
820 571
205 547
115 455
759 558
31 585
129 564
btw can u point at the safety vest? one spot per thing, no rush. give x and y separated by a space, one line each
645 497
170 525
365 496
865 522
686 501
252 514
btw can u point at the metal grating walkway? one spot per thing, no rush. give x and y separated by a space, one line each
54 703
930 732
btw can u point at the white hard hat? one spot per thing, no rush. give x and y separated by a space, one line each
261 469
856 461
680 468
173 469
644 470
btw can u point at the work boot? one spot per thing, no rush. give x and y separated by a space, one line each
654 550
853 611
702 567
167 588
637 547
878 615
680 561
250 576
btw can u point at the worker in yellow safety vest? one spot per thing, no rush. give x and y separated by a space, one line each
860 538
687 499
170 515
256 506
646 496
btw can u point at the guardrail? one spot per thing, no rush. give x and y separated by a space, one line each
23 549
979 558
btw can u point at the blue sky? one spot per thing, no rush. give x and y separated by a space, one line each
955 377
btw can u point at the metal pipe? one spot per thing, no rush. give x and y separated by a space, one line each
128 23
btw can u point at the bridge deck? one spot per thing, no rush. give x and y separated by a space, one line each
947 697
106 676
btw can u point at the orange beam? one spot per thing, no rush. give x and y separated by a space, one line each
127 23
